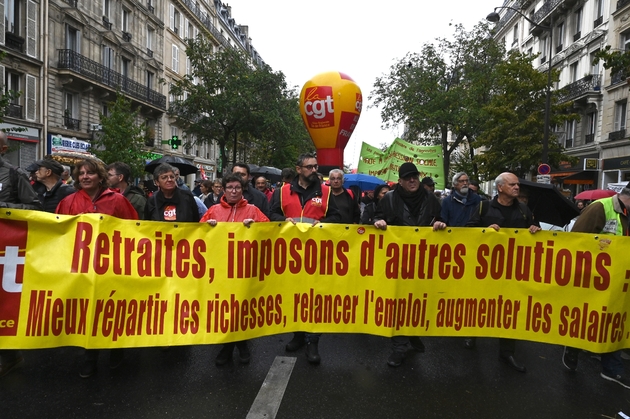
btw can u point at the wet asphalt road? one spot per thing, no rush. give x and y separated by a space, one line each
353 381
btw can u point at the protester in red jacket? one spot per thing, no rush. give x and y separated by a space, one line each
233 208
94 196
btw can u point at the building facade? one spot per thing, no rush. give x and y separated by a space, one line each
566 35
68 58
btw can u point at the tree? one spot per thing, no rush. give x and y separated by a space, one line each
122 137
514 120
226 99
437 93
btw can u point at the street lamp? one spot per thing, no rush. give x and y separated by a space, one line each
494 17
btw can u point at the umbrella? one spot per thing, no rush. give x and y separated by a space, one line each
185 167
363 181
271 173
548 204
252 167
595 194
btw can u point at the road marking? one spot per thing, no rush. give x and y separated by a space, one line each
270 395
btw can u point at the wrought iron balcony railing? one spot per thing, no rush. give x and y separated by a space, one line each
205 19
94 71
71 123
150 53
590 83
72 3
126 36
14 41
598 21
151 8
621 3
546 9
14 110
617 135
589 138
618 77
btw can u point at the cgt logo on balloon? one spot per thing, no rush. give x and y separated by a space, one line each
12 257
330 104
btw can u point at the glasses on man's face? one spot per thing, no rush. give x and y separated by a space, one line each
233 188
310 167
167 177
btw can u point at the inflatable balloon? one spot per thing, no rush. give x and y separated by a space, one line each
330 104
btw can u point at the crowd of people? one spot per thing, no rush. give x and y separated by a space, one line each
301 196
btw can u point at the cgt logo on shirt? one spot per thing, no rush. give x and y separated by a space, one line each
12 260
316 202
170 213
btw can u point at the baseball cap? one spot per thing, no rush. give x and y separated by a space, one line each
428 181
49 164
407 169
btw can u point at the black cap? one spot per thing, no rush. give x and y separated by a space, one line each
428 181
48 164
407 169
32 167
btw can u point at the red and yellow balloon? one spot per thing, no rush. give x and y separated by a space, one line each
330 104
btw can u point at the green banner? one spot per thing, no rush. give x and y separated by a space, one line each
385 164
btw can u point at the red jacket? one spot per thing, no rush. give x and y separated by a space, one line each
108 202
233 213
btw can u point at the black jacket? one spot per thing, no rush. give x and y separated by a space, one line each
393 210
50 199
183 200
489 212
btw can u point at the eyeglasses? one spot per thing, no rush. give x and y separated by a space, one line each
167 177
233 188
310 167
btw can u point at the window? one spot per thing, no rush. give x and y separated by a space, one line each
515 35
70 105
595 69
599 8
125 63
577 24
568 143
175 18
106 9
104 109
544 47
175 63
625 41
559 37
126 15
573 72
108 57
188 67
73 39
620 115
12 16
150 77
591 120
12 84
150 35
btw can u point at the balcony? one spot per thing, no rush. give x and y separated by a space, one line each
590 83
621 3
72 3
150 53
14 111
151 8
71 123
558 48
577 36
14 41
617 135
205 19
589 138
568 143
126 36
107 23
96 72
618 77
598 21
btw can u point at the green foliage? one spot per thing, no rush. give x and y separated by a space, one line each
513 133
228 98
438 93
122 137
617 61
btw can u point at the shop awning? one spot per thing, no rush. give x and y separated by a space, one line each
586 177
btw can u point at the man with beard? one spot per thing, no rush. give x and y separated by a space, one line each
305 200
253 195
407 205
459 205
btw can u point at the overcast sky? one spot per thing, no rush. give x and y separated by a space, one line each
357 37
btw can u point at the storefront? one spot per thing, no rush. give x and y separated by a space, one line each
206 171
615 170
23 144
583 175
67 150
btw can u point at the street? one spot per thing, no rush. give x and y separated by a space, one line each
353 381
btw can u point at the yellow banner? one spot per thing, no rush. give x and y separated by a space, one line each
100 282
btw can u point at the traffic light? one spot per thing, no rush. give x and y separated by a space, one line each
175 142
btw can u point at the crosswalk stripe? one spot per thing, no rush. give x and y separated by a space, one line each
270 395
